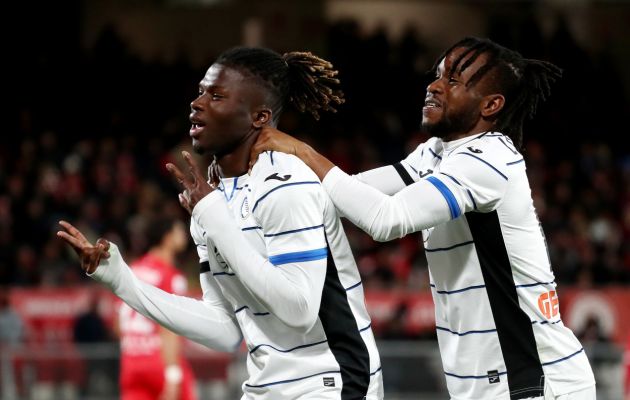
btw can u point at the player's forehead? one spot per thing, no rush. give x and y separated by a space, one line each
453 61
223 76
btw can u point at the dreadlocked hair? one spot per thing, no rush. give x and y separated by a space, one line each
298 78
523 82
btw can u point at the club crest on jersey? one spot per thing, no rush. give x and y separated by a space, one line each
245 208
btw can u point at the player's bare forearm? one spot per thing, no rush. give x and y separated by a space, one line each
273 139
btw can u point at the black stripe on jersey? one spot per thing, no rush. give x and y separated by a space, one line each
343 335
204 267
514 328
404 175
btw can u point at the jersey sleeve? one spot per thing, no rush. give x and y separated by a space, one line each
205 321
482 178
466 182
393 178
289 281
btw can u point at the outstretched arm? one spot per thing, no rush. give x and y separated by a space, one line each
426 203
208 322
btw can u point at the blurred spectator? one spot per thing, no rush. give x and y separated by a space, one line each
90 332
11 325
90 327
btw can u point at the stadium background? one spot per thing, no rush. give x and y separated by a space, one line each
96 99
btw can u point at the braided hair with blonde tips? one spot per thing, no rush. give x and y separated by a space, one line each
523 82
302 79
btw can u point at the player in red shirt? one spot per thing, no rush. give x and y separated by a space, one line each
152 363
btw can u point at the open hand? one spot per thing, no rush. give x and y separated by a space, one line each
273 139
194 183
89 254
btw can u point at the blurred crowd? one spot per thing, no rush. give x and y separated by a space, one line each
90 131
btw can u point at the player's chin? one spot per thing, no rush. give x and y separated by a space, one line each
198 147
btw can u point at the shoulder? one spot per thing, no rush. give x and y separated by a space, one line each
284 181
276 170
493 146
491 153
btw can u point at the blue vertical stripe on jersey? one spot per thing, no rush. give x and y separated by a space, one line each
299 256
344 338
448 196
514 328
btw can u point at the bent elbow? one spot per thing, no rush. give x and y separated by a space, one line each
385 235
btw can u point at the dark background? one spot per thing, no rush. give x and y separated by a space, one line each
96 99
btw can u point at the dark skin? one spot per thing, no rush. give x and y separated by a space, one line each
452 110
227 116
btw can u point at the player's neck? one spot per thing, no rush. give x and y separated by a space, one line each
236 162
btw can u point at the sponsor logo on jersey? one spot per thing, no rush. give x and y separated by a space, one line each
493 377
329 381
422 174
548 304
280 178
474 150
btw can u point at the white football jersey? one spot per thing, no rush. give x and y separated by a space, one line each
496 303
286 269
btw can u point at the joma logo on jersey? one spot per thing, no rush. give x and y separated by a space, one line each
329 381
493 377
548 304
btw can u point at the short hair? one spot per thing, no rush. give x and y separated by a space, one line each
523 82
298 78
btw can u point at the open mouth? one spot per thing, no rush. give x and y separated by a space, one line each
196 128
431 104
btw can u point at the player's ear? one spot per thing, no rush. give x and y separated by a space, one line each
492 104
261 117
